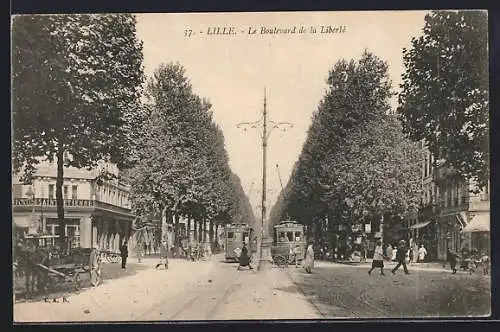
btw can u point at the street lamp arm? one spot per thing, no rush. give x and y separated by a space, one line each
280 125
254 124
251 125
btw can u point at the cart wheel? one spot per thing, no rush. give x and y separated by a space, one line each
115 259
77 281
95 277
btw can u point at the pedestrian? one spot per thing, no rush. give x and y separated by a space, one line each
309 258
378 258
388 252
244 259
451 257
296 251
401 257
95 263
394 254
411 255
422 252
124 254
139 252
163 255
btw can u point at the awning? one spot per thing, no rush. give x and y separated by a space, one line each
419 225
479 223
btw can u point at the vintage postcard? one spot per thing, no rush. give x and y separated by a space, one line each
250 166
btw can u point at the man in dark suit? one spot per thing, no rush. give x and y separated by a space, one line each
400 257
124 254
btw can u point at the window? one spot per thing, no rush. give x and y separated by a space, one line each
298 236
65 192
51 191
289 235
485 195
74 192
426 162
448 196
438 196
230 235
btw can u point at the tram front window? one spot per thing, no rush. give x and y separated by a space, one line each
298 236
282 237
230 235
289 235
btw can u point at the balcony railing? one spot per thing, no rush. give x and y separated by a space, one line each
49 202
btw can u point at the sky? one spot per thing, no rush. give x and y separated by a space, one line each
233 70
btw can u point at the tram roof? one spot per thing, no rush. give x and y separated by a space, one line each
288 223
239 225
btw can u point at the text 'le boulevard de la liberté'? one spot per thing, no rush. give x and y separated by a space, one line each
268 30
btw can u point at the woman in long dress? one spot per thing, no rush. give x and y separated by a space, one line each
309 259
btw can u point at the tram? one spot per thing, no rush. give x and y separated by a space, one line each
289 245
236 235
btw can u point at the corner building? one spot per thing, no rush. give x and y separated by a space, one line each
96 213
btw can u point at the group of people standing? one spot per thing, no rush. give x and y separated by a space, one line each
401 254
380 255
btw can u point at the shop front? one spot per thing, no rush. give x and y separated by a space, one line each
87 223
450 236
479 230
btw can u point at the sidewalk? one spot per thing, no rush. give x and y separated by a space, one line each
132 292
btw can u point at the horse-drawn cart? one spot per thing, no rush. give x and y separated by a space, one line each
56 270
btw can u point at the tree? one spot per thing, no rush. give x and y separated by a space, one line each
444 98
182 164
355 164
75 81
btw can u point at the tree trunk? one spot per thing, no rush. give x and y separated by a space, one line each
176 230
59 200
204 237
200 231
211 231
188 229
195 230
163 223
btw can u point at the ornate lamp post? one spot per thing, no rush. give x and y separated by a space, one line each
265 128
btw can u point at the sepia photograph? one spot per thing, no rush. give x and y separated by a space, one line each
229 166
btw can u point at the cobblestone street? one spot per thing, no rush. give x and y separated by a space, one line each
339 291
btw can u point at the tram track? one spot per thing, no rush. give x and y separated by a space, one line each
200 302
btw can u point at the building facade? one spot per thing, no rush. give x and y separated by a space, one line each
96 212
449 205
